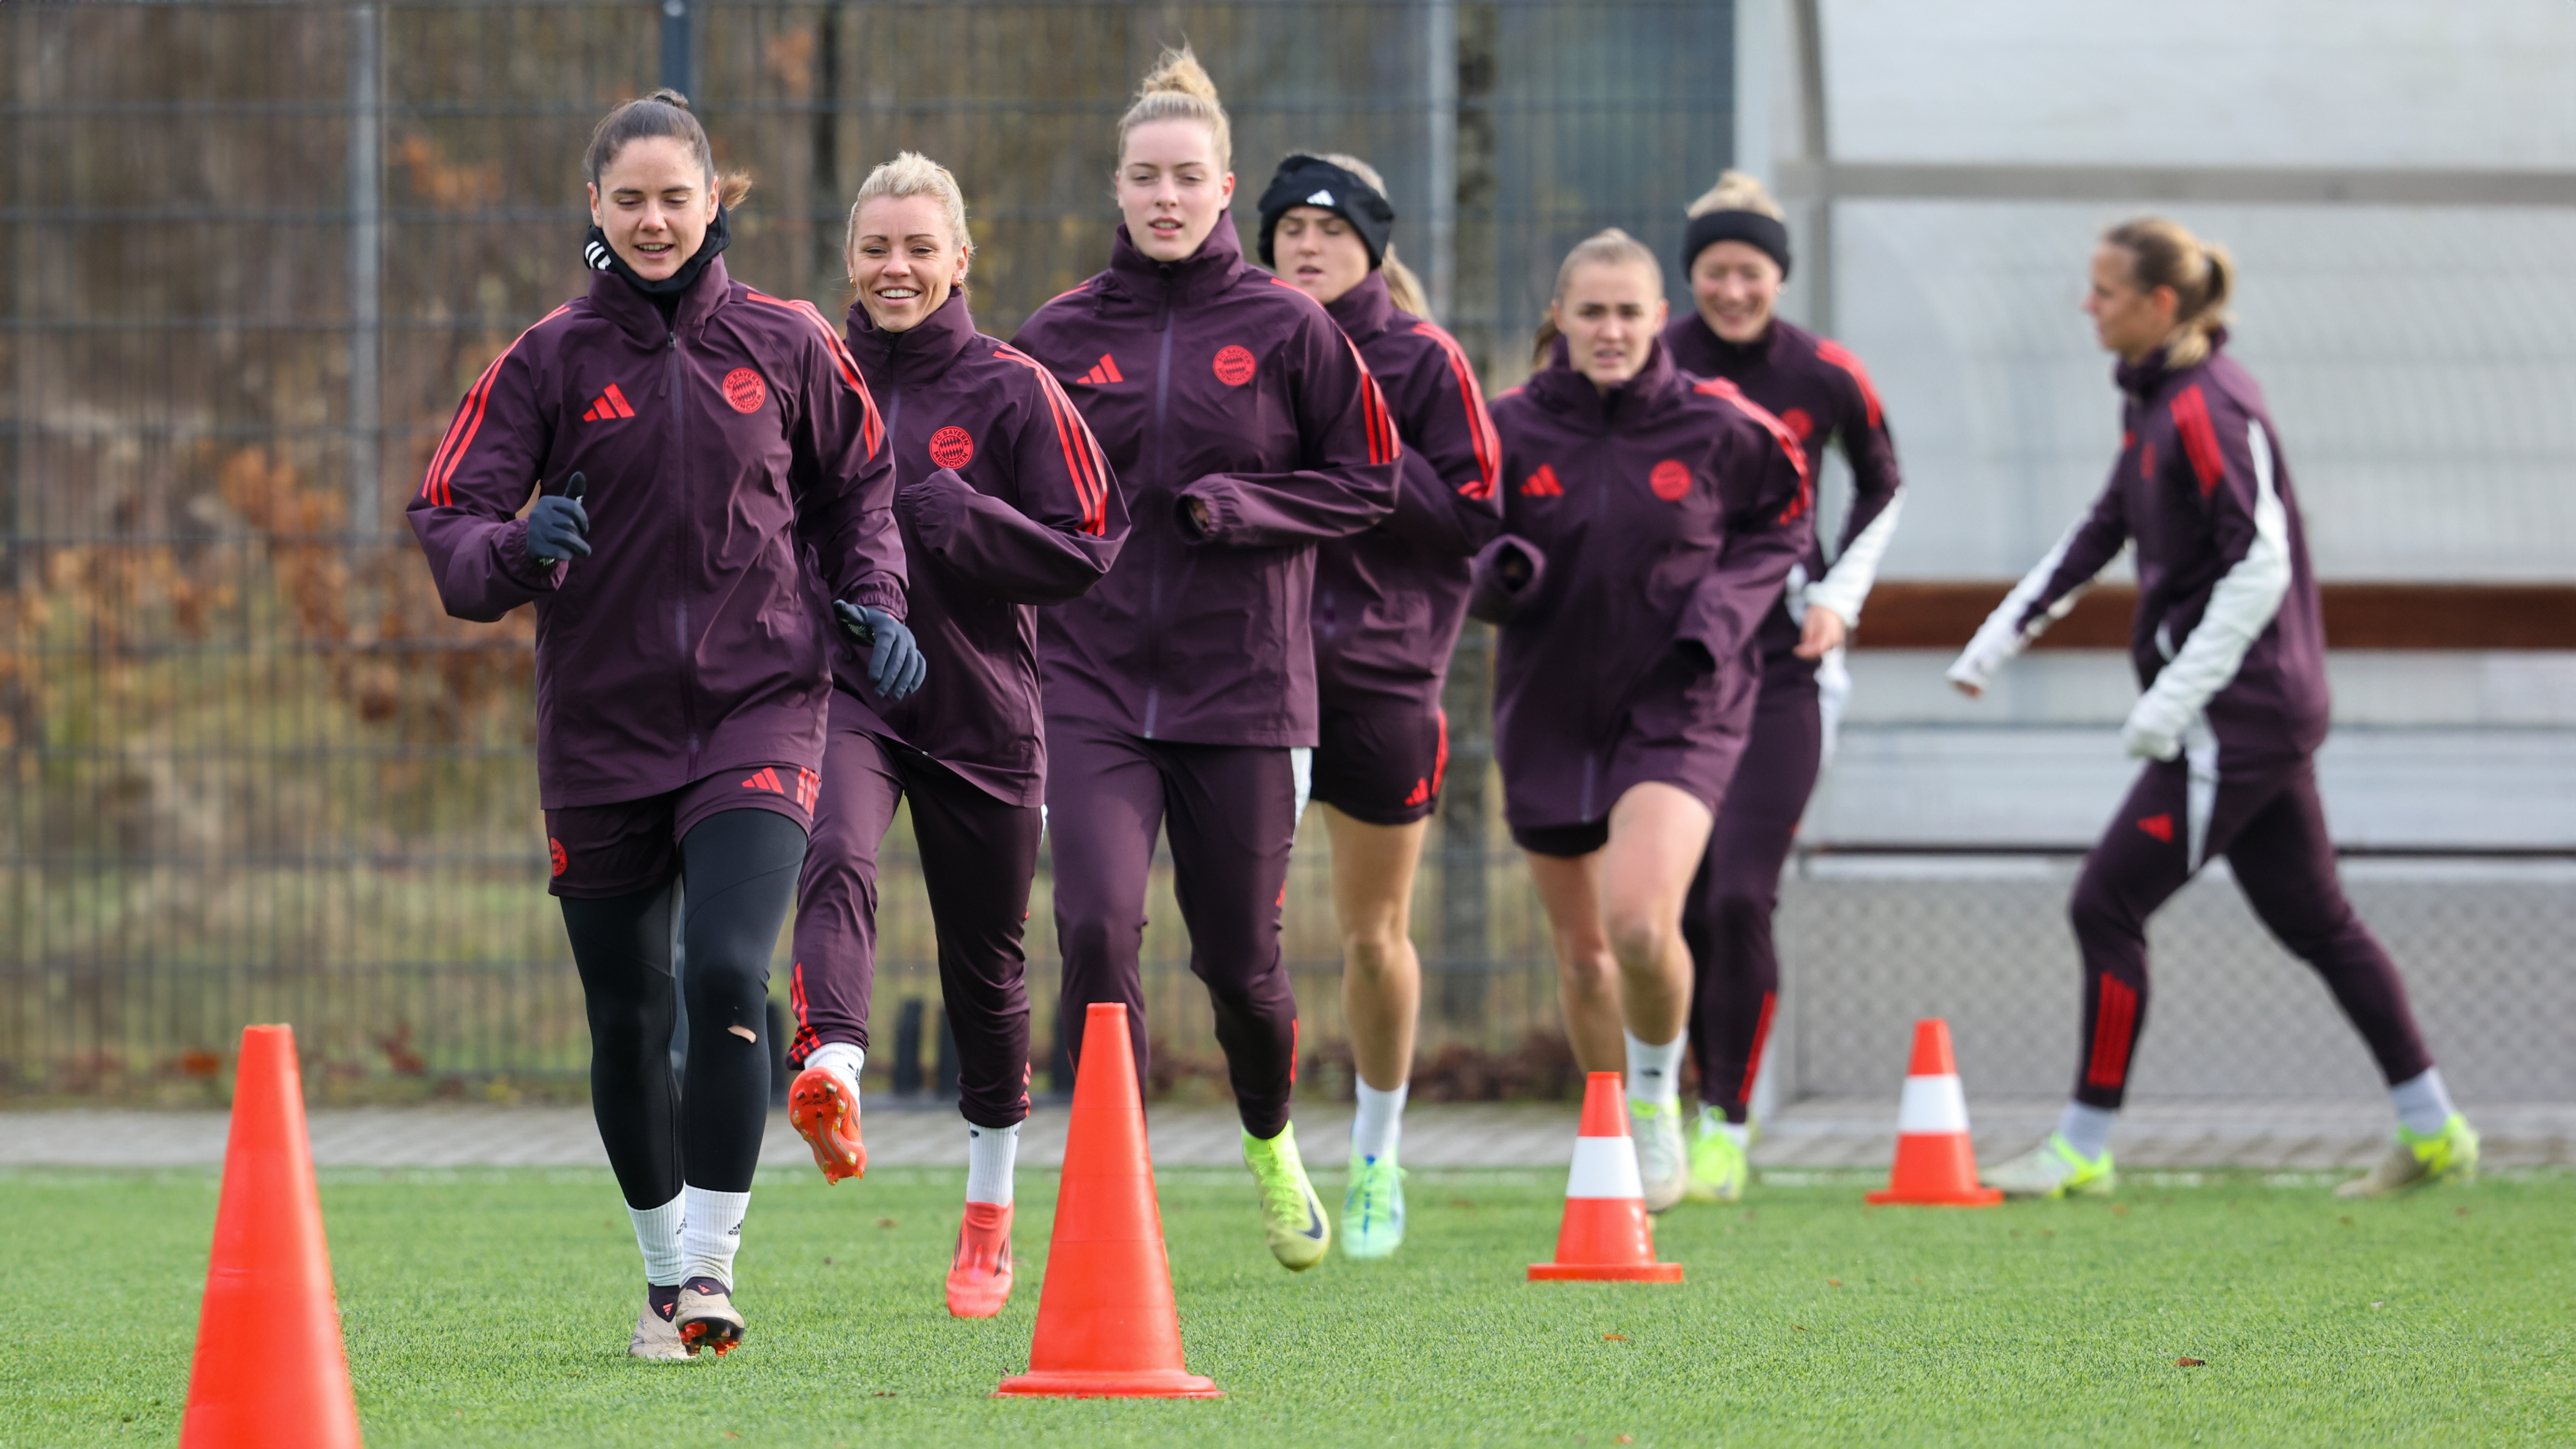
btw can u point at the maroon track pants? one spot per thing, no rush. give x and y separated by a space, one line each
2272 829
1726 919
978 855
1232 814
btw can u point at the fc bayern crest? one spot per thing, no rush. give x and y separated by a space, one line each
952 447
1234 366
744 389
1671 480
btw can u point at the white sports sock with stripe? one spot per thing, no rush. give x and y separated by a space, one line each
2087 1129
657 1233
1655 1072
839 1058
711 1232
1379 1123
991 1153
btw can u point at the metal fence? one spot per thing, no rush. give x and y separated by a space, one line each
255 253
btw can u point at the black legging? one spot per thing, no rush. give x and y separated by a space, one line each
739 873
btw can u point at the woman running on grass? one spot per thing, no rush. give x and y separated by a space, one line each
1736 254
1005 502
1651 523
1181 691
2231 654
698 447
1388 605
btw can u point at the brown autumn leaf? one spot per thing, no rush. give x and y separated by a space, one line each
2119 1210
2459 1212
1614 1338
1623 1439
2191 1363
1833 1282
885 1222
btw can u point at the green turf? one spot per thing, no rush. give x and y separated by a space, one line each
492 1308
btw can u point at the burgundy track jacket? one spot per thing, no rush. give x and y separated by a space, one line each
2228 625
725 453
1005 502
1211 380
1821 393
1663 514
1389 602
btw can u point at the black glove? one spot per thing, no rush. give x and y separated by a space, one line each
556 526
895 665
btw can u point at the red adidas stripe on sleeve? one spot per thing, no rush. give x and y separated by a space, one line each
1082 457
873 429
1480 426
1840 356
1719 387
439 485
2199 439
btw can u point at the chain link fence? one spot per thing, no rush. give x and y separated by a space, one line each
256 252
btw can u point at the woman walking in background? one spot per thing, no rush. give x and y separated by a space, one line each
1181 691
1735 253
696 443
1388 606
2231 655
1650 525
1005 503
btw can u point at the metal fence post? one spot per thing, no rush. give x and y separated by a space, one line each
678 47
366 269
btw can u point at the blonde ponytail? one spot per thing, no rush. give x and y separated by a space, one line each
1736 191
2202 275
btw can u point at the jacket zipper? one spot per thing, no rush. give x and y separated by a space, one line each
682 540
1154 576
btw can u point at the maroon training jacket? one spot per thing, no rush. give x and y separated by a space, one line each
1666 513
1005 502
721 451
2189 490
1389 602
1208 379
1820 393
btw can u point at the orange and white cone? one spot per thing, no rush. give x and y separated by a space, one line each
1935 1165
1605 1237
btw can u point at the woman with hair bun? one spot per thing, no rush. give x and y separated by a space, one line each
709 464
1388 606
1735 253
1651 521
1181 691
2230 652
1006 504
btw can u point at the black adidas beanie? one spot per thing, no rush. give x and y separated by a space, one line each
1304 180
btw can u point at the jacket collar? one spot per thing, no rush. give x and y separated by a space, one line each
2146 377
1568 393
1733 355
918 354
635 315
1365 310
1193 279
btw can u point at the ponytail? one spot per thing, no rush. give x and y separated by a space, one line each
2202 275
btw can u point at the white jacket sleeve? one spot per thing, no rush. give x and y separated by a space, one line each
2241 606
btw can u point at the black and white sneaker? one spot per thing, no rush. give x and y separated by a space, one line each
706 1317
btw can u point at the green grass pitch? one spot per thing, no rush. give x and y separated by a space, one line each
493 1307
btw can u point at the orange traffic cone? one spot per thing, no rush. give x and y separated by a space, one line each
1605 1237
1935 1166
1106 1324
269 1367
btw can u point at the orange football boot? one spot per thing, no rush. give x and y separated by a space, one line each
824 1110
979 1277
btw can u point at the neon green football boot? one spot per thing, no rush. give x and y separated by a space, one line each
2420 1161
1292 1217
2054 1169
1373 1208
1718 1170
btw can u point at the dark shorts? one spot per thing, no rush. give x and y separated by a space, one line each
1566 842
627 846
1382 766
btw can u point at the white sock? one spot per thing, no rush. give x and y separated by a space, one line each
2087 1129
1379 1123
1713 1120
2423 1103
839 1058
711 1232
1655 1072
991 1152
657 1232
